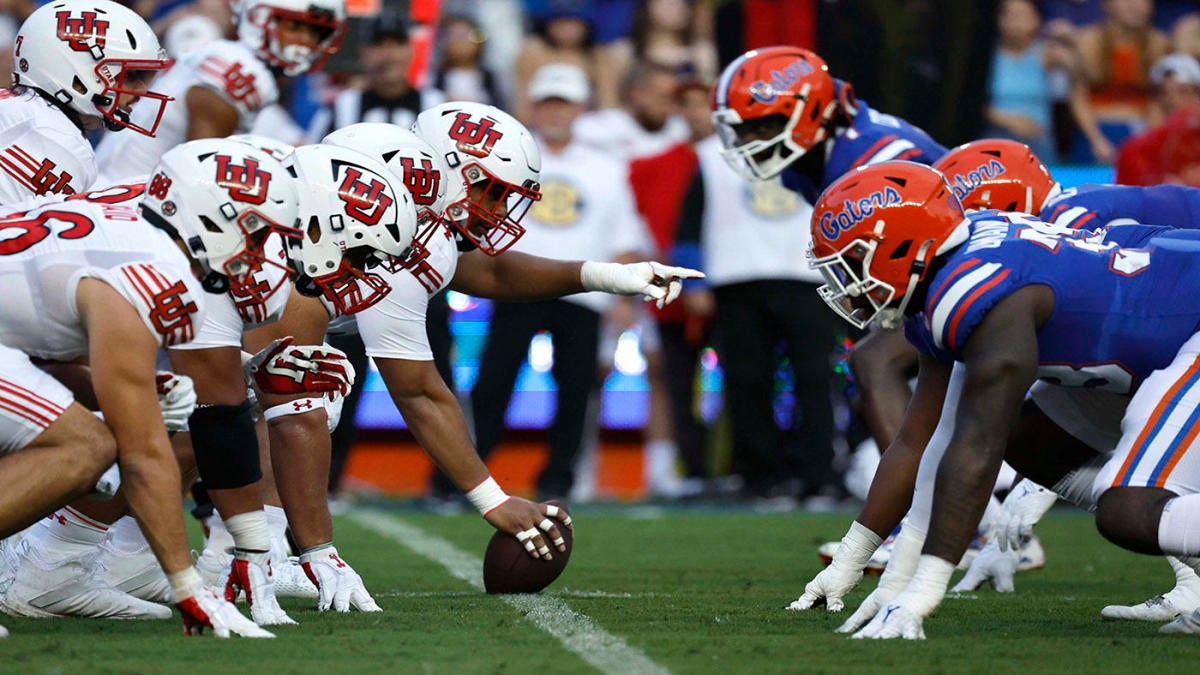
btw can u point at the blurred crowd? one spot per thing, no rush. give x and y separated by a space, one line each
619 92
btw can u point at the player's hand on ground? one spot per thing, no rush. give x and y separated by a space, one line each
829 587
283 368
654 281
176 398
894 620
1022 509
202 608
534 525
251 573
339 585
874 602
991 565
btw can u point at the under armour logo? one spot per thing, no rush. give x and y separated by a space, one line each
365 200
336 560
475 138
245 182
85 33
301 406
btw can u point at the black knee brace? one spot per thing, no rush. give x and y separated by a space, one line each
226 446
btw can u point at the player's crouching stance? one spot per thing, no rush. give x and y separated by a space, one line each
95 279
1010 301
477 202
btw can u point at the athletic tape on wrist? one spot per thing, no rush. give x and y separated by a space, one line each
297 407
487 496
184 582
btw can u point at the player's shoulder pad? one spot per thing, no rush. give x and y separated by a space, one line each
165 295
961 294
233 71
48 156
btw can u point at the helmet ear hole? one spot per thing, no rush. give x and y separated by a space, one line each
314 229
209 224
902 250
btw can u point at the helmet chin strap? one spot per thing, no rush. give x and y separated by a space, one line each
891 319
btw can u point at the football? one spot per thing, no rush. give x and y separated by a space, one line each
508 568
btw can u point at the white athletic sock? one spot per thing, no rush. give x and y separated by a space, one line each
989 515
1179 527
659 459
64 534
219 539
249 531
126 536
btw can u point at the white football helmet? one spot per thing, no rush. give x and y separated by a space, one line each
273 147
258 28
223 199
97 46
494 165
413 164
352 218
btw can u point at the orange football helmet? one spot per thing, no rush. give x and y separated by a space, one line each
771 106
875 231
997 173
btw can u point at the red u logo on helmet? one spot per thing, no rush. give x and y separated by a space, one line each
475 138
85 33
365 200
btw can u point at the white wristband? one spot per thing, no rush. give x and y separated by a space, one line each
487 496
597 276
185 583
857 546
297 407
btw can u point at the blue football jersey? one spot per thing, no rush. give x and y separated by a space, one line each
1119 313
1094 206
872 137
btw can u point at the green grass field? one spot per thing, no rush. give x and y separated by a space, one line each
694 592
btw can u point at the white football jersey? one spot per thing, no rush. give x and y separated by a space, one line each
42 152
44 253
394 327
228 68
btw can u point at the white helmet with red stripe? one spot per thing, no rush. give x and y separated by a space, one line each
84 54
261 22
223 199
352 219
494 166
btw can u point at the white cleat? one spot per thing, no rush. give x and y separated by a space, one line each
67 588
1186 624
1033 556
292 582
137 574
213 566
1181 600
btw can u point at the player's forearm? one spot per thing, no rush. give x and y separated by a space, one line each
150 482
891 490
517 277
964 483
438 425
300 452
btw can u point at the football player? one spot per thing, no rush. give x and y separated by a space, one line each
486 165
80 65
1012 301
96 277
220 88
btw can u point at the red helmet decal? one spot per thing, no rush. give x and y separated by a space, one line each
246 183
475 138
159 186
423 181
84 33
365 200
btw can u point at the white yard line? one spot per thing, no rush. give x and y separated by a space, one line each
577 632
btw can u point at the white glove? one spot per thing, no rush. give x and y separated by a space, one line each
333 410
283 368
653 281
339 585
1024 506
900 568
251 573
991 565
202 608
903 617
176 399
843 574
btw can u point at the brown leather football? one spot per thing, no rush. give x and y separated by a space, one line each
508 567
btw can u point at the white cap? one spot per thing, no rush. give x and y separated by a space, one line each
1184 68
560 80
